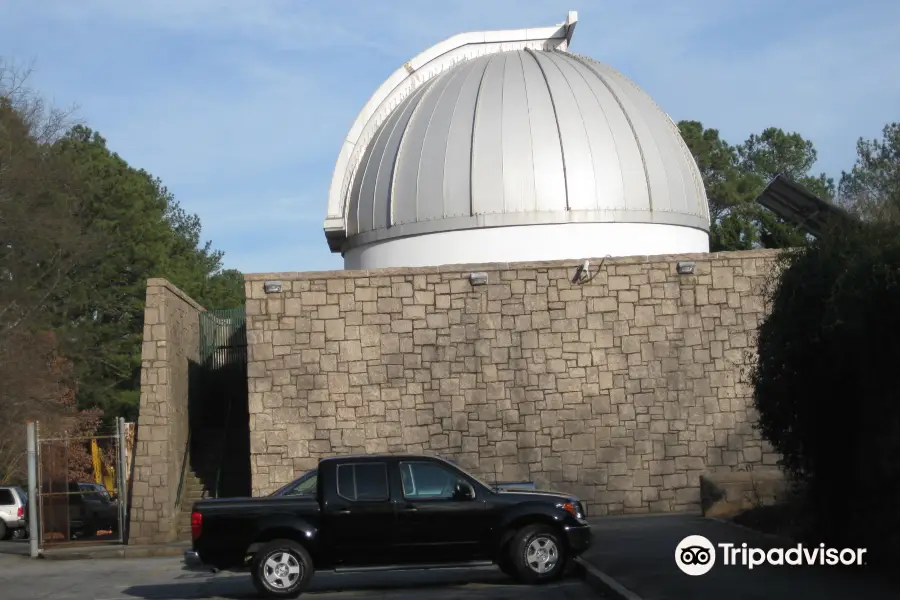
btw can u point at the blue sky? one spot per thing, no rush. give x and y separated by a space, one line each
240 106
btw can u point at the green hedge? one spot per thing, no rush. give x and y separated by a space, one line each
827 383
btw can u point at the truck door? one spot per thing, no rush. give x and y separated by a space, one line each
359 514
434 523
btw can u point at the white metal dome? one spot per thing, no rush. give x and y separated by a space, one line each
526 152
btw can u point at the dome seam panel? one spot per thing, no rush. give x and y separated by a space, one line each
600 108
637 139
530 132
581 111
697 180
502 98
401 146
472 64
474 126
453 74
680 146
412 106
365 162
559 136
672 171
365 140
353 200
413 99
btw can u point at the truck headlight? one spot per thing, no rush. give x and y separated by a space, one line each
573 508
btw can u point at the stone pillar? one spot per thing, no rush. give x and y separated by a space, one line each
171 345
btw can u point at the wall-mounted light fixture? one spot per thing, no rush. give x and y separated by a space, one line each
685 267
478 278
582 273
272 287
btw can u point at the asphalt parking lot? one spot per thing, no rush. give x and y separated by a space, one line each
22 578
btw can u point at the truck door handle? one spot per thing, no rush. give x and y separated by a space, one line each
344 511
410 509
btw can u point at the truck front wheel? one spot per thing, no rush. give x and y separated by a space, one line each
505 564
282 569
538 554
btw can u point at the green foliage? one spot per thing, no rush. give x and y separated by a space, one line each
872 188
735 175
144 233
730 190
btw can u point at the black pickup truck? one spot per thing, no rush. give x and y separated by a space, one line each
382 512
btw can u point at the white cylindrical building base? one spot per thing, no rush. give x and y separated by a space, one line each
565 241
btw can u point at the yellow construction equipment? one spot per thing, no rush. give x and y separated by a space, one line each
103 473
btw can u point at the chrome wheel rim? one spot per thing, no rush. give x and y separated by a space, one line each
282 570
541 555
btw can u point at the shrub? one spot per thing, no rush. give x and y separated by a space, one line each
825 382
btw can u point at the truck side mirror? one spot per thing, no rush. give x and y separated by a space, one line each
463 491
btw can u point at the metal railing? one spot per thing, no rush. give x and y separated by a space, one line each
184 466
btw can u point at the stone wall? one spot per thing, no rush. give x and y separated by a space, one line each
171 345
623 389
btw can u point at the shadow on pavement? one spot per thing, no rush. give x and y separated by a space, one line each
15 547
639 553
239 586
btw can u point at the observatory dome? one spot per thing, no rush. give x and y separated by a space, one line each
505 148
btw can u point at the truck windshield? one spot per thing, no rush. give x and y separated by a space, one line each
304 486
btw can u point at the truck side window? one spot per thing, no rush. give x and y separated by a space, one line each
363 481
427 480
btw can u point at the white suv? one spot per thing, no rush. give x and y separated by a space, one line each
12 511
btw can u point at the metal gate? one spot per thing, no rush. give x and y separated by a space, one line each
81 487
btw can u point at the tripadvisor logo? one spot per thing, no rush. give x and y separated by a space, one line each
696 555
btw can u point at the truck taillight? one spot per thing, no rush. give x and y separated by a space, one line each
20 514
196 524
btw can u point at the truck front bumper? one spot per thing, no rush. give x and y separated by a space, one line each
579 538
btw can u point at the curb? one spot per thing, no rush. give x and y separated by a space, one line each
603 583
117 552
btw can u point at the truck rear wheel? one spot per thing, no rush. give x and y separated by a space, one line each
282 569
538 554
